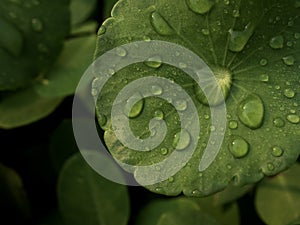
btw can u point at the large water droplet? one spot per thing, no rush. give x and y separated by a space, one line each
218 91
289 60
180 105
37 25
159 114
239 39
264 78
160 25
11 38
251 111
293 119
278 122
121 52
200 6
277 42
270 166
156 90
233 124
181 140
154 62
289 93
239 147
164 151
277 151
101 30
137 107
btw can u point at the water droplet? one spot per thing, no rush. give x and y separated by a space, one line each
278 122
121 52
171 179
156 90
226 2
293 119
239 147
205 31
289 60
164 151
233 124
101 119
263 62
277 42
37 25
291 23
94 92
236 13
251 111
181 140
160 25
200 6
180 105
196 192
289 93
289 44
182 65
207 117
270 166
264 78
277 151
137 107
102 30
239 39
159 114
154 62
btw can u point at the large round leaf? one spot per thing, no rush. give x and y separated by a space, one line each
31 37
253 49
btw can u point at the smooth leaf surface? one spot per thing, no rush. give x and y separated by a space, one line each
33 39
81 10
24 107
86 198
278 198
173 212
253 49
64 76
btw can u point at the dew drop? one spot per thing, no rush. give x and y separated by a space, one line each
160 25
278 122
277 151
121 52
270 166
277 42
37 25
164 151
236 13
263 62
171 179
154 62
264 78
156 90
239 39
289 60
159 114
289 93
233 124
200 6
181 140
101 119
102 30
205 31
196 192
94 92
239 147
180 105
293 119
137 107
251 111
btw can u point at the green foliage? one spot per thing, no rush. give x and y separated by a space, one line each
241 42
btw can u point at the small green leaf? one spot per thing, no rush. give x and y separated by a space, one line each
260 84
86 198
278 198
172 212
31 38
13 197
81 10
64 76
24 107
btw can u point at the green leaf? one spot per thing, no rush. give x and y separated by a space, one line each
64 76
14 201
31 39
86 198
173 212
24 107
62 144
81 10
278 198
238 40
